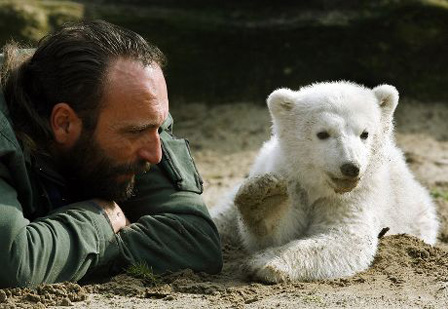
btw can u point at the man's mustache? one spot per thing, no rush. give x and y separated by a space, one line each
136 168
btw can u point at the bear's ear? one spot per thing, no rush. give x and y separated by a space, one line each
281 101
387 98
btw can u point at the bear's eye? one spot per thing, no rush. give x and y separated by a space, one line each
364 135
323 135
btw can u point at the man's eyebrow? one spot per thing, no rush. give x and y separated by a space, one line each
137 127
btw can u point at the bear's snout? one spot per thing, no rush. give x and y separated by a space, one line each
350 170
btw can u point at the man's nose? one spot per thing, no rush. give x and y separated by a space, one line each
151 150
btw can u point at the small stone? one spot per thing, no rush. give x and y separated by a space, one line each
252 300
66 302
3 296
32 298
39 305
169 297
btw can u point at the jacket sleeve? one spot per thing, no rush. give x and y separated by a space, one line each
59 247
172 228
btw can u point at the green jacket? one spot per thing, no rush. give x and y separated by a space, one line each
171 227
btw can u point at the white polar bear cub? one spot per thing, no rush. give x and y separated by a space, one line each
325 185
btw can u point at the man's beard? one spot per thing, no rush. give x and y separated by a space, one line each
91 173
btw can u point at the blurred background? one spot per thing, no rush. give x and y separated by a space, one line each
241 50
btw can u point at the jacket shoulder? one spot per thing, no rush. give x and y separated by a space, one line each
177 161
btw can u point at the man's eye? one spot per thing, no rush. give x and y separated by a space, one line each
323 135
137 131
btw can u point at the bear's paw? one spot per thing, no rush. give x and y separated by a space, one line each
268 268
260 195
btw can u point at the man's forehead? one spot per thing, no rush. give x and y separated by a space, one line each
135 94
127 72
130 77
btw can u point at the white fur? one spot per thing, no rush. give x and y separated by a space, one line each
325 229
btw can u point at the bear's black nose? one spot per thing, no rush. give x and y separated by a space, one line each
350 170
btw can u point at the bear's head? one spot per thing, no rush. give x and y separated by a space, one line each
332 133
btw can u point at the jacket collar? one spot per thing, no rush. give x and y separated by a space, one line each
44 166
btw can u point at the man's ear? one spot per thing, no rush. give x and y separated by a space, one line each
65 124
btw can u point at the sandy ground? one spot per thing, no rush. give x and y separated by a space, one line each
406 272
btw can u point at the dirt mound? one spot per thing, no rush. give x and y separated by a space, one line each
63 294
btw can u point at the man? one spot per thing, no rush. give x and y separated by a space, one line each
91 178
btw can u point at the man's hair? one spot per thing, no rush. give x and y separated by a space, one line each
69 65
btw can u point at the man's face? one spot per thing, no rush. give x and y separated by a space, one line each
126 141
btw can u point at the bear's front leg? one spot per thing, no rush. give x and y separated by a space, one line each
325 256
262 201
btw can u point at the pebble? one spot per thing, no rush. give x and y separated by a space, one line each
3 296
66 302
